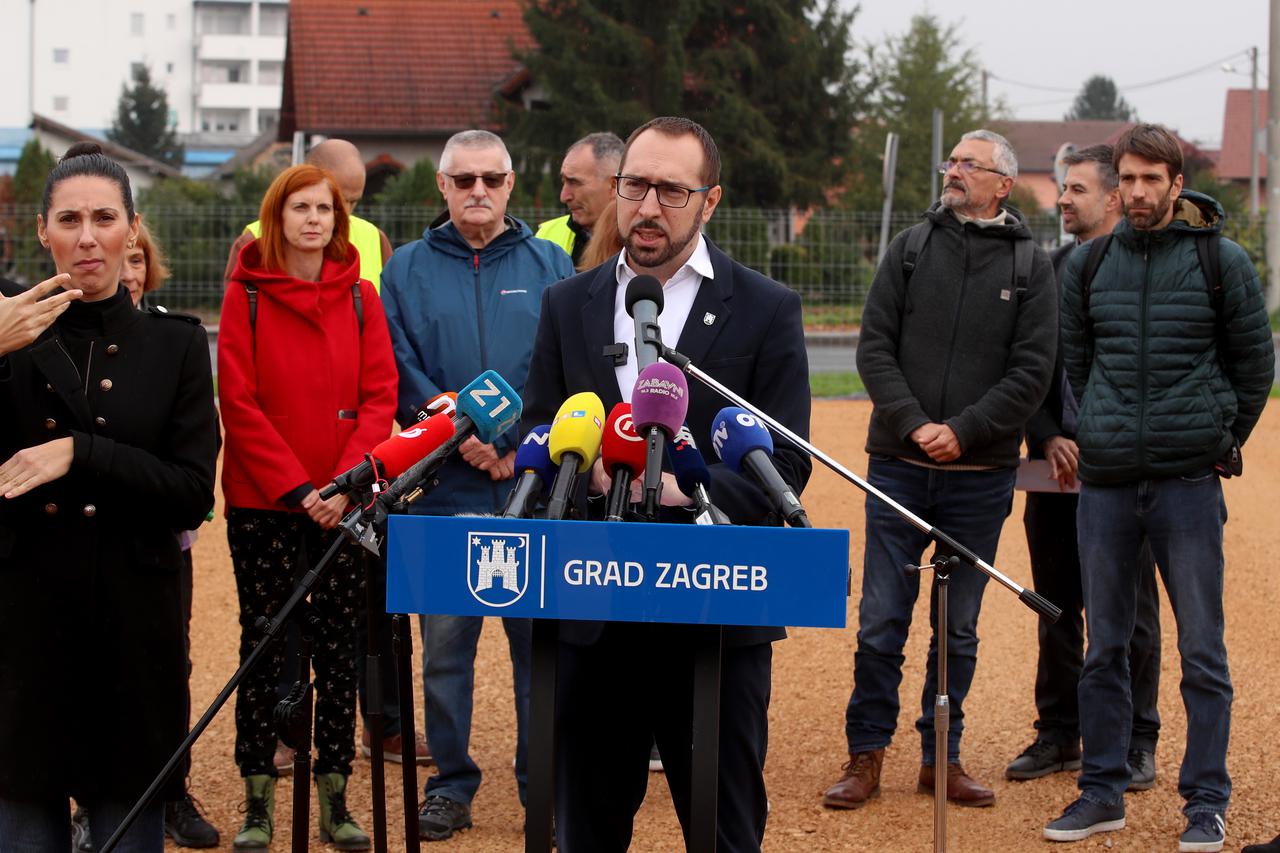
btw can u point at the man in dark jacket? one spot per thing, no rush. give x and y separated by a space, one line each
462 300
1091 207
745 331
956 354
1172 380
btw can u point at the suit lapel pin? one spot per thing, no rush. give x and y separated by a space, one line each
708 318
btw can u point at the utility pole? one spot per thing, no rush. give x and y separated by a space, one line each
1253 136
935 152
1273 161
985 112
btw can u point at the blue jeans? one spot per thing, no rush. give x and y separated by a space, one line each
448 681
45 825
1182 517
970 506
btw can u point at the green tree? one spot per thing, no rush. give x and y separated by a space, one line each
1100 100
771 80
34 166
414 187
142 121
925 67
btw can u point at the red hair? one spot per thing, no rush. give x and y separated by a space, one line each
271 245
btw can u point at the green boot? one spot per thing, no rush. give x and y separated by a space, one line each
337 826
259 811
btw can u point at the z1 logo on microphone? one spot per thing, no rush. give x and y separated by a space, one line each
495 407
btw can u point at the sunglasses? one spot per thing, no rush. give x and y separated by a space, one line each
492 180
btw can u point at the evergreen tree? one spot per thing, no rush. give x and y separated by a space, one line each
1099 99
770 79
142 121
34 166
414 187
924 68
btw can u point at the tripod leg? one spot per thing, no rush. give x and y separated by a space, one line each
373 701
941 723
402 647
301 737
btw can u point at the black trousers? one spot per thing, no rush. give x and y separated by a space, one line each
633 687
1050 521
269 551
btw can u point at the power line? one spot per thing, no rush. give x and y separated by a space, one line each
1120 89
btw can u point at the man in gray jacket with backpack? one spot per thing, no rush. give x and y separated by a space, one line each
956 350
1166 340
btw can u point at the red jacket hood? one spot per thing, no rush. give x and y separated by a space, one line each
304 297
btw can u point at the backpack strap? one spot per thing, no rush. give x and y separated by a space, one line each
1208 247
1097 249
1023 255
251 291
917 237
359 306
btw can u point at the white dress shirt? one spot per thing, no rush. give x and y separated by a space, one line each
677 299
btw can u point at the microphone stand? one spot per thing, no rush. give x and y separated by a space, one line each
361 525
1030 598
942 568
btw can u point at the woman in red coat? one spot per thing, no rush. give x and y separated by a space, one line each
307 384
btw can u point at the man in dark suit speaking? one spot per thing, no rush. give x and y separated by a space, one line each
623 686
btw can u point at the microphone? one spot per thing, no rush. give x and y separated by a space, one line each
534 472
693 477
390 458
575 441
659 403
487 407
741 441
644 304
622 454
440 404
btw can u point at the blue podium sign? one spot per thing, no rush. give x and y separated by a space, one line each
615 571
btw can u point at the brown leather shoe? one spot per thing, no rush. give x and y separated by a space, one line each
962 789
860 782
392 749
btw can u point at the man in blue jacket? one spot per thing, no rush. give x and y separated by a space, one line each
1168 345
462 300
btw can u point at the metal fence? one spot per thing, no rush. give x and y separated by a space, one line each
829 257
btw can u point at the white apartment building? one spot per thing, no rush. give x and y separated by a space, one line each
221 63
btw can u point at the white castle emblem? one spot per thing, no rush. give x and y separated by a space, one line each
499 569
497 566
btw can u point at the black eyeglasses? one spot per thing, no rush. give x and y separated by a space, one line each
492 180
967 166
669 195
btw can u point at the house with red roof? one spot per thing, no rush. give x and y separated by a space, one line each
1233 160
398 77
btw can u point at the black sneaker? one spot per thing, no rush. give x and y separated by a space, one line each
1205 833
81 842
1042 758
1082 819
440 817
184 822
1142 770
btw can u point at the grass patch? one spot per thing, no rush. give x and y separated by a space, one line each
841 384
832 316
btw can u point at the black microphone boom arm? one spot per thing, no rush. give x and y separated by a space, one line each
1036 602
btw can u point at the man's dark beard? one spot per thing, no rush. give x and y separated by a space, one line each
1148 220
653 258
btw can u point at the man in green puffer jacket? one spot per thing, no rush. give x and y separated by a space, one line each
1172 380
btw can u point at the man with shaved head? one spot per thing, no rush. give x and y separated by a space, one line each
341 159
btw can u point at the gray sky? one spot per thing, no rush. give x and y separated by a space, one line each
1131 42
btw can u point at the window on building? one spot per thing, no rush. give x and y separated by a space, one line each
270 73
267 120
136 70
224 72
168 68
171 22
222 121
60 103
173 119
61 55
223 19
135 24
273 19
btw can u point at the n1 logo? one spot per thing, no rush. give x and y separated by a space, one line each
540 438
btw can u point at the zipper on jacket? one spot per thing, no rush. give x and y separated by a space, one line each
484 358
955 327
1142 352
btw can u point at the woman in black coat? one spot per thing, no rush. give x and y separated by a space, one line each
108 441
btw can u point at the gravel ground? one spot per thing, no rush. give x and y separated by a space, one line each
811 681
